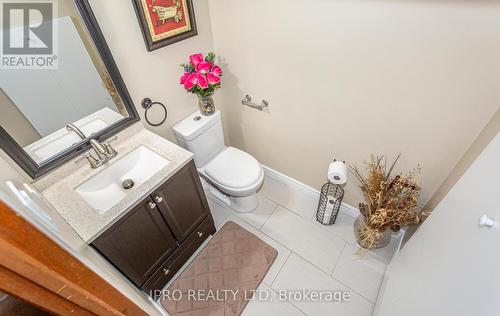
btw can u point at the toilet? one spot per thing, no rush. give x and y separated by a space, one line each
235 173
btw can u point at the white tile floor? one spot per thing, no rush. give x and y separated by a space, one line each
311 256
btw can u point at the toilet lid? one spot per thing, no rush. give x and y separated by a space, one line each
234 168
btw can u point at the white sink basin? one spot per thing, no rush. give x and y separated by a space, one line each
104 190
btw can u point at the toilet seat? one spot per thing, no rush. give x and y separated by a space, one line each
235 172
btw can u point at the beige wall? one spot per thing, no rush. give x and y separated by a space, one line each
484 138
152 74
349 78
479 144
15 123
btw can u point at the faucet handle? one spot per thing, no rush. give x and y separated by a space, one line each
110 150
94 163
112 139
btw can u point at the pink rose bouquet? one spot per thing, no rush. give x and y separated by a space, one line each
201 75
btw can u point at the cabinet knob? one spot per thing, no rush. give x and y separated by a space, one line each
151 205
166 271
200 234
158 199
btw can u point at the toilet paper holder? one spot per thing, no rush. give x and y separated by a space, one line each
330 199
336 178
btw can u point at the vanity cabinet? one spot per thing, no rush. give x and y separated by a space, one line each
153 240
139 243
181 204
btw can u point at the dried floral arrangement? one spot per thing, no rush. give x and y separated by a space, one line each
390 200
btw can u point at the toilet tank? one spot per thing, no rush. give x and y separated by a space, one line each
202 135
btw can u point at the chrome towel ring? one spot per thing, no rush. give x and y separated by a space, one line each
147 104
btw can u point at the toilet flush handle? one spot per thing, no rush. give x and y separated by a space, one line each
485 221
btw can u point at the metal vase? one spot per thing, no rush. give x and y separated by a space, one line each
206 104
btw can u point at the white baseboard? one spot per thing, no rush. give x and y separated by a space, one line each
304 188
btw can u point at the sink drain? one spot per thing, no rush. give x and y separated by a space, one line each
127 184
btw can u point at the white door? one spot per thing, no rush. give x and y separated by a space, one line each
451 266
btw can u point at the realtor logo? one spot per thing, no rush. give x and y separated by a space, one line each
28 34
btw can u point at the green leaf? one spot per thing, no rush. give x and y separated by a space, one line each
210 57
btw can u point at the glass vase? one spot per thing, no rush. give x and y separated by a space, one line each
206 104
381 242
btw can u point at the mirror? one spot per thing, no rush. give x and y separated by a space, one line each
48 115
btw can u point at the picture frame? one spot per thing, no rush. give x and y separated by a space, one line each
164 22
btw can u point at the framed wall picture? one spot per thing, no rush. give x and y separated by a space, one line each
164 22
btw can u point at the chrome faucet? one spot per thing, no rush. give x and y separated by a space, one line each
100 149
72 128
104 153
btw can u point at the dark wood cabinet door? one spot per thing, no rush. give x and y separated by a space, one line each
182 201
138 243
182 254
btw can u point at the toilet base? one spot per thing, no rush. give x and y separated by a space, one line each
244 204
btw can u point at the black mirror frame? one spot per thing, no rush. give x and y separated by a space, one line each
17 153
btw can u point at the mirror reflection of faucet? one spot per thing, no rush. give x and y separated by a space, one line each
73 128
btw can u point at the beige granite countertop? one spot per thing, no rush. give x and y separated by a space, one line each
58 189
